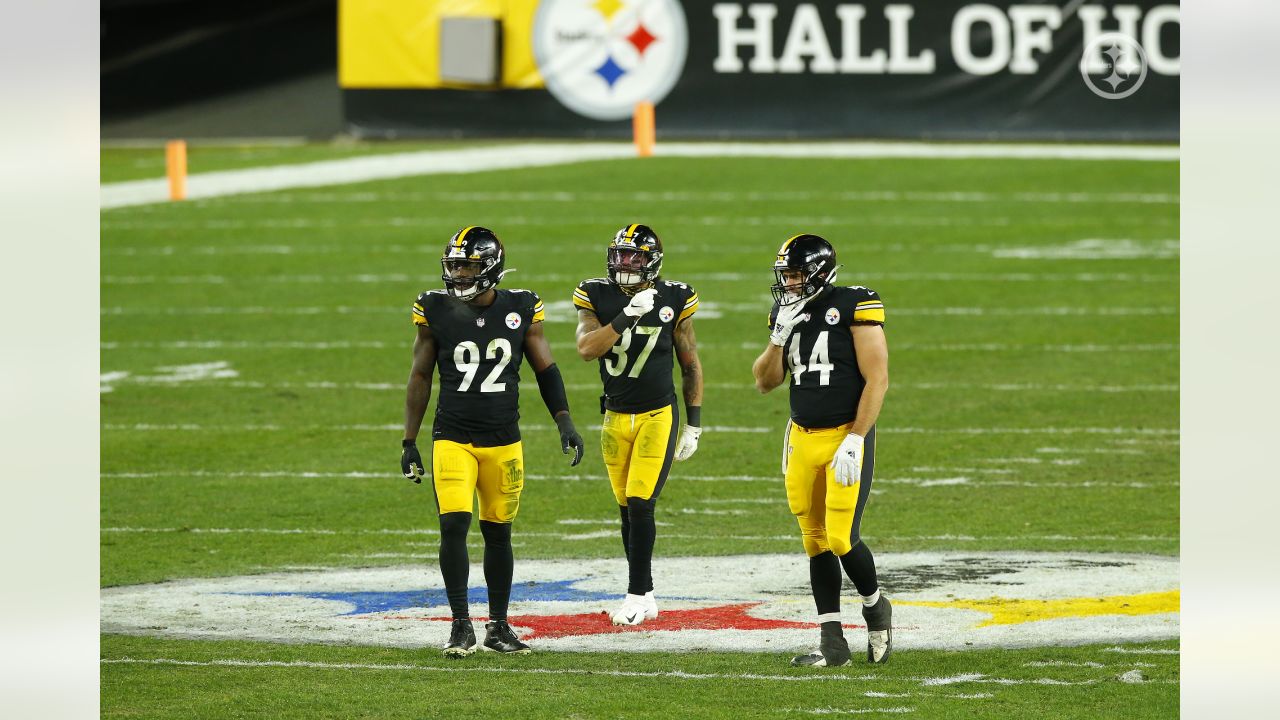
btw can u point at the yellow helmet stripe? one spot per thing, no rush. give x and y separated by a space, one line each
463 235
787 244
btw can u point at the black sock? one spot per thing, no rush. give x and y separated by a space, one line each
626 530
640 554
499 565
860 566
824 578
455 566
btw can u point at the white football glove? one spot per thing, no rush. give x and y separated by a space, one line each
848 461
687 445
641 303
788 317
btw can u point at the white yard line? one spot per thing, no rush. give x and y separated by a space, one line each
924 681
752 309
613 533
995 387
384 167
392 427
383 345
695 278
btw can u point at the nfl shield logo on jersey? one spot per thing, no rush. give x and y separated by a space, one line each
513 320
833 316
479 322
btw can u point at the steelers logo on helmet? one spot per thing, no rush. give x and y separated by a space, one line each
634 258
473 262
805 266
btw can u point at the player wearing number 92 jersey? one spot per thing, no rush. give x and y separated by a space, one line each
831 340
631 321
476 336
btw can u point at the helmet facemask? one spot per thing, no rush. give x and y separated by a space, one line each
632 267
817 275
468 279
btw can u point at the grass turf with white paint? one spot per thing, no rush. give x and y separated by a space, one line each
1077 452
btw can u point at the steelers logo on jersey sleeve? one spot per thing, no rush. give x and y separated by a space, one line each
513 320
833 316
666 313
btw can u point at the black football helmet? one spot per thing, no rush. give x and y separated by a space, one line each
812 255
473 262
634 241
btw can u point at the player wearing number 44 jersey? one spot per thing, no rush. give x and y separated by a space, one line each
630 321
831 339
476 335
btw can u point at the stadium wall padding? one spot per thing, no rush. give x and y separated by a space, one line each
946 69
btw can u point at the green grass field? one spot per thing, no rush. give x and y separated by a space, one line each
1032 325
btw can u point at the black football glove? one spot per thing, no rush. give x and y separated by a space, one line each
569 438
411 461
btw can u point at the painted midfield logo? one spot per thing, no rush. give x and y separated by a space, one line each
600 57
941 600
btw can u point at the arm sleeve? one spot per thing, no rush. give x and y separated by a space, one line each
551 386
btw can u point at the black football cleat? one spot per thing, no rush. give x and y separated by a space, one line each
499 637
462 639
879 619
833 651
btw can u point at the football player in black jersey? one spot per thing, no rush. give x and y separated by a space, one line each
831 340
476 335
631 321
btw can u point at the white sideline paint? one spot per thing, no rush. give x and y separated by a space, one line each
751 196
1143 651
505 157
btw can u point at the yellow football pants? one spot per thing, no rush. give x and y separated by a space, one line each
637 451
460 472
826 510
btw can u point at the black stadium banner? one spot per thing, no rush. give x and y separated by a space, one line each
947 69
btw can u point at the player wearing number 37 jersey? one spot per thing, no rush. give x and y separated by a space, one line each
831 340
476 335
631 321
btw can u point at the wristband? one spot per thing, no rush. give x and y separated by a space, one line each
622 322
693 415
407 442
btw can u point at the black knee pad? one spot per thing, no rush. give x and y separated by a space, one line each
496 534
455 525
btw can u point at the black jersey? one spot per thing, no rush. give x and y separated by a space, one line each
637 371
826 383
478 355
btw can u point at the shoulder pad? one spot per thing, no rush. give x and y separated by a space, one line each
867 306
